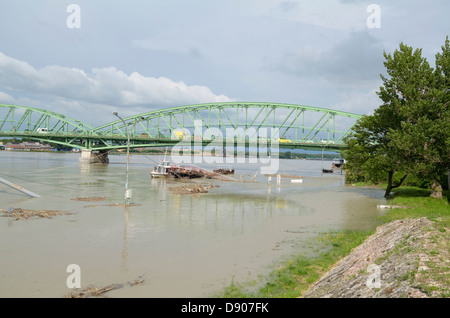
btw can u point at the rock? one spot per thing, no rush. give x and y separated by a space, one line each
383 266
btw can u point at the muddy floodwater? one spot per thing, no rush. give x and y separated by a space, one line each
175 245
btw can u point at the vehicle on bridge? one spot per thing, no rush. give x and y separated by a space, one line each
325 141
181 134
41 130
284 140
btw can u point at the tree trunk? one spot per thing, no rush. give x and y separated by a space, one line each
436 190
391 186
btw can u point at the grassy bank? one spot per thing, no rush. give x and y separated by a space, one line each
293 277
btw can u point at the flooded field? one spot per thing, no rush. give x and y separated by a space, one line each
165 244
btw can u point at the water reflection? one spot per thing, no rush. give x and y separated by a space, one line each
124 253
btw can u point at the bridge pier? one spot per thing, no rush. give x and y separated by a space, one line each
89 156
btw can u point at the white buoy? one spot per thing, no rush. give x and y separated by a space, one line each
297 181
128 195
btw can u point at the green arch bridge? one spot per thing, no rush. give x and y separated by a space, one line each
288 125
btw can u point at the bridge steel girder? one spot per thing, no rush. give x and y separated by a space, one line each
17 116
282 118
302 125
44 125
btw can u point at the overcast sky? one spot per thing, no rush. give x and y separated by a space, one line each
136 56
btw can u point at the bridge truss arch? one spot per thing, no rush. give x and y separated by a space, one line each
44 125
297 126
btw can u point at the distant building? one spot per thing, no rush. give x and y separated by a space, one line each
27 146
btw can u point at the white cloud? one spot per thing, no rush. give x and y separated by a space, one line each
6 98
107 86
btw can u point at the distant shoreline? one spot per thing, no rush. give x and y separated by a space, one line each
301 156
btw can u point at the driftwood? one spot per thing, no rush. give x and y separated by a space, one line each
91 292
381 206
24 214
90 199
192 188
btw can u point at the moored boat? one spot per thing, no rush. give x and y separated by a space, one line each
338 163
165 169
161 170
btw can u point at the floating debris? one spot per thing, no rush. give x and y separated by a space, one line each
91 292
24 214
192 188
90 199
224 171
136 282
381 206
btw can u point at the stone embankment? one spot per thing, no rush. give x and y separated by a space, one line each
395 262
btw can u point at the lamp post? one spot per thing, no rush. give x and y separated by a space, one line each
127 192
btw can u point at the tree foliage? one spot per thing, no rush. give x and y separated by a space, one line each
409 133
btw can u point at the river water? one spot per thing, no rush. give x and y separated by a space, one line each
179 245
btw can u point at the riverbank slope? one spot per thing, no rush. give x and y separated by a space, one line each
407 257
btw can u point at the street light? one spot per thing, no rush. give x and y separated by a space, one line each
127 191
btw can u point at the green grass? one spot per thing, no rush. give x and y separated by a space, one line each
421 205
293 277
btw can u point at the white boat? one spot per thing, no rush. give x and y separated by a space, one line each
161 170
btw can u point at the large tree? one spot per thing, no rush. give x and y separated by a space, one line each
422 140
369 157
409 132
442 74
